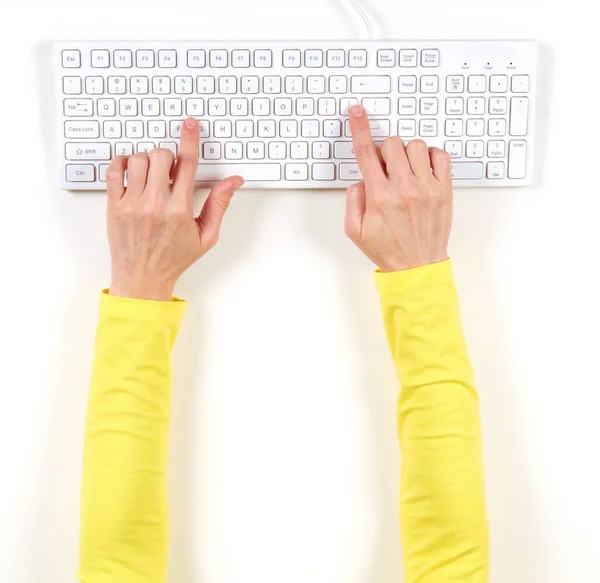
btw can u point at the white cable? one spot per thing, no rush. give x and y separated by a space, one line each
364 17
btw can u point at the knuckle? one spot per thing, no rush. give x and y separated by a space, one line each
417 146
138 161
113 174
440 156
187 161
161 154
363 150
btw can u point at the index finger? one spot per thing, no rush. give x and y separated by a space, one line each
365 150
187 160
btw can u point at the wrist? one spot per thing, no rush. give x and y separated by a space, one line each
155 291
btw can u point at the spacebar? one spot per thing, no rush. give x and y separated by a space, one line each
249 172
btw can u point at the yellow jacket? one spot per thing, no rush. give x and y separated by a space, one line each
443 523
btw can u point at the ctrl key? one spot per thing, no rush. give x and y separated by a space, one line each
80 172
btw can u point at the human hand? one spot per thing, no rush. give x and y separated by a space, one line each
400 215
152 232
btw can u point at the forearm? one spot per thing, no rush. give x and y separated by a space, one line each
443 517
124 510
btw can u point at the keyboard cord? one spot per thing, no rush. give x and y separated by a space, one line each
364 17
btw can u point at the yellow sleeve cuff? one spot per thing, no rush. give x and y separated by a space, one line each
133 309
424 277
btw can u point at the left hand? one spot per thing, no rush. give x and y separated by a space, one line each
153 234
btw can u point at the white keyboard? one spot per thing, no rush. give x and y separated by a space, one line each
276 112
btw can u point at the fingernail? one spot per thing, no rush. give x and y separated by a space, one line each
190 123
238 183
357 111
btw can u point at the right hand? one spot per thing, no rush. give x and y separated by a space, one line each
400 215
153 234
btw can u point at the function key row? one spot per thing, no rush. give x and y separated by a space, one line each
244 58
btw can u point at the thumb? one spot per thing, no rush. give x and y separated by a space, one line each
355 210
210 218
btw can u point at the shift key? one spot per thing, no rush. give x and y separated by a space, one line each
87 151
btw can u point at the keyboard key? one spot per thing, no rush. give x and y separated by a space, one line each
498 84
211 150
263 59
323 171
72 85
112 129
408 58
240 59
123 149
249 172
407 106
244 128
371 84
87 151
519 111
336 58
222 129
150 107
266 128
454 105
474 149
517 158
430 58
271 85
497 127
299 150
343 150
519 83
357 58
196 59
100 59
454 148
78 107
250 84
380 128
135 129
169 146
128 107
475 127
291 58
157 129
407 128
234 150
80 172
161 85
346 104
218 58
277 150
495 170
475 105
255 150
71 59
205 85
338 84
102 168
497 106
262 106
326 106
296 171
377 105
454 127
94 85
282 106
227 85
320 150
309 128
288 128
184 84
315 84
476 84
217 106
429 84
194 106
428 106
428 128
455 84
167 59
82 129
495 149
138 85
293 85
348 171
466 170
172 107
332 128
144 59
106 108
407 84
239 106
386 58
117 85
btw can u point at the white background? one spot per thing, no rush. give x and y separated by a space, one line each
284 463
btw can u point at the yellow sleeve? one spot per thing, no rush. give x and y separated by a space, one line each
124 511
443 519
